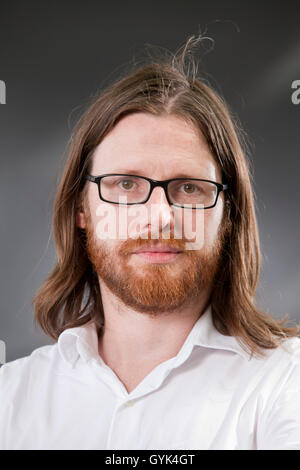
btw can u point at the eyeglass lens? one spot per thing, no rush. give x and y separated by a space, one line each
136 190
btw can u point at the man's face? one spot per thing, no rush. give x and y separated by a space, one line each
159 148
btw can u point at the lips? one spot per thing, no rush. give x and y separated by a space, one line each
158 249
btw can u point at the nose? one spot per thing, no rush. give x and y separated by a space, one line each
160 213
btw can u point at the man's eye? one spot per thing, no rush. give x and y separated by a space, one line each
126 184
189 188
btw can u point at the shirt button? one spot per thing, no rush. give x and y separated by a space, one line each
129 403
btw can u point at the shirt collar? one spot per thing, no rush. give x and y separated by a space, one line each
205 334
83 341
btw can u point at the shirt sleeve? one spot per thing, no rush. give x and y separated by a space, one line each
4 392
280 427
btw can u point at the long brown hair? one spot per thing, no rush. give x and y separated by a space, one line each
71 296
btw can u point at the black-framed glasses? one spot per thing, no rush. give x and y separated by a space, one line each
138 189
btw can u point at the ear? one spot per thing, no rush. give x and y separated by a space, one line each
80 218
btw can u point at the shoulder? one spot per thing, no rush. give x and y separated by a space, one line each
274 371
279 424
287 353
278 373
284 358
25 370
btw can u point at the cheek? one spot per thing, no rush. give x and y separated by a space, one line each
93 202
212 222
104 222
201 226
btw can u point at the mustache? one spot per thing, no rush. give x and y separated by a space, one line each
131 245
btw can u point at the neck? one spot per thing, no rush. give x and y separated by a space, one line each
133 343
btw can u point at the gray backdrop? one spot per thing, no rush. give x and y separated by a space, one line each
54 56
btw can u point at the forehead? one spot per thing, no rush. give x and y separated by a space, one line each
156 146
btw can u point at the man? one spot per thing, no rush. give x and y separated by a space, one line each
159 342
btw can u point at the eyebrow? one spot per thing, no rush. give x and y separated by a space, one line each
138 173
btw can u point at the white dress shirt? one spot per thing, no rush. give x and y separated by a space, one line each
211 395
